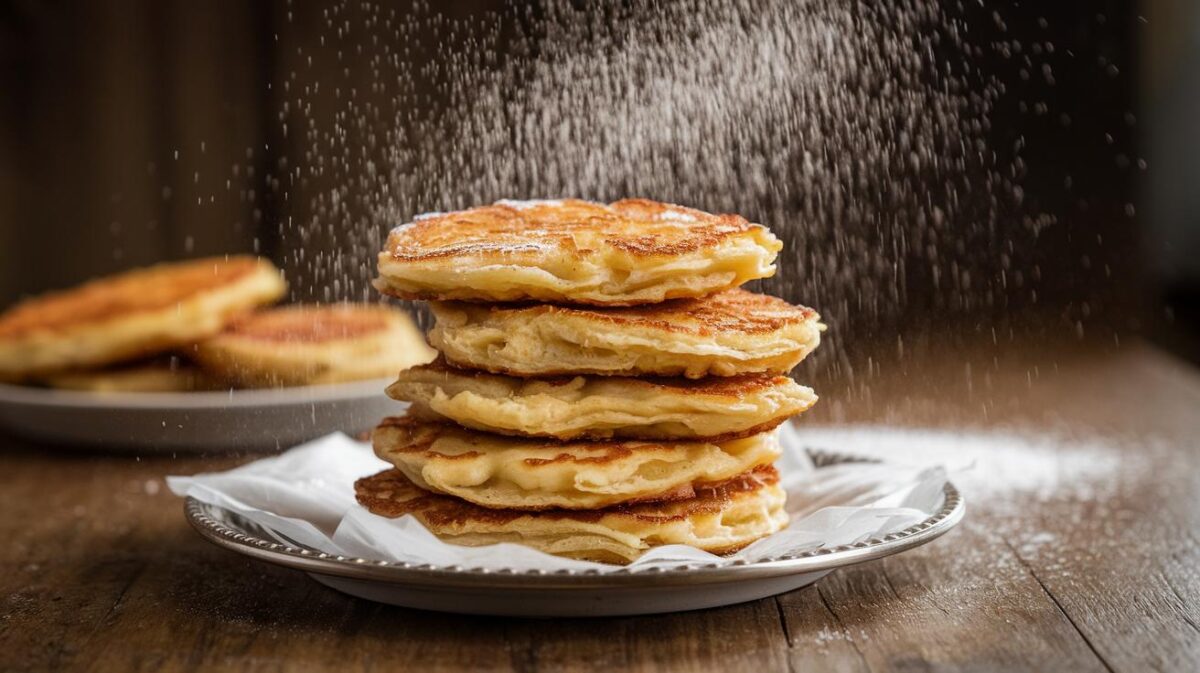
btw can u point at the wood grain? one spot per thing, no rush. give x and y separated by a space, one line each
99 571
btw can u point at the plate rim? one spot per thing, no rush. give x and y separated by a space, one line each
822 559
17 395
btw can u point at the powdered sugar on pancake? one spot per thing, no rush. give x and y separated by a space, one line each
677 216
526 205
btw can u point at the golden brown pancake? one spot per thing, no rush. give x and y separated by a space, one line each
132 314
602 407
720 519
167 376
726 334
625 253
530 473
309 344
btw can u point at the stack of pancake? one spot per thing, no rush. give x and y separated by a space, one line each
198 325
603 385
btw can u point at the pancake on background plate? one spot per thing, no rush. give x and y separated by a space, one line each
725 334
601 407
532 474
628 252
160 376
309 344
721 518
132 314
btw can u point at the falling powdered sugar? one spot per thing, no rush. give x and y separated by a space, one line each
856 131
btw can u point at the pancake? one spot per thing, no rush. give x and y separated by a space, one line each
603 407
132 314
308 344
625 253
152 377
720 519
726 334
532 474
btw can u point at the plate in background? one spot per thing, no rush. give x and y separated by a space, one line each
256 420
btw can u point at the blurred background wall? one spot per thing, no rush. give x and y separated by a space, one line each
141 130
1170 107
117 117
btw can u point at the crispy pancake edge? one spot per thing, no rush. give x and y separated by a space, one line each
728 311
709 230
378 494
733 387
28 317
295 324
424 433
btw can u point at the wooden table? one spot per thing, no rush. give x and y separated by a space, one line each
1088 562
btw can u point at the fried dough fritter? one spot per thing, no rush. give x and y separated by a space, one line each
307 344
528 473
721 519
629 252
158 376
603 407
726 334
132 315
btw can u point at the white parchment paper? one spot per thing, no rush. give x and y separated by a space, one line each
306 496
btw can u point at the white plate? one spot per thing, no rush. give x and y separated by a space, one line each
567 593
200 421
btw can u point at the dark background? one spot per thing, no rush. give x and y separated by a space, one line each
138 131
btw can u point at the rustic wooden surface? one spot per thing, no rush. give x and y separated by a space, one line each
98 570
